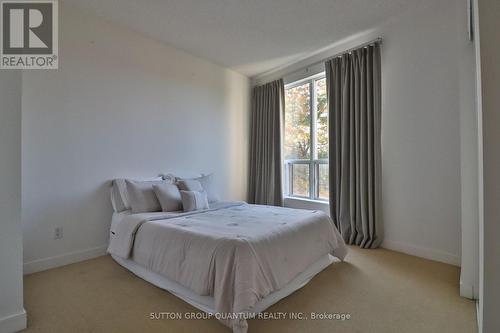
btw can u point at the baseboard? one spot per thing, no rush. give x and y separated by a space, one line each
13 323
426 253
65 259
466 290
479 318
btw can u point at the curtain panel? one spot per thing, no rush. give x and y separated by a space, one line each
354 101
265 170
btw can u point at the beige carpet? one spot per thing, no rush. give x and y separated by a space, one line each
383 291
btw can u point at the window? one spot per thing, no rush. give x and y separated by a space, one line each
306 139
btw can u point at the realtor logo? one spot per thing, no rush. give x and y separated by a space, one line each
29 35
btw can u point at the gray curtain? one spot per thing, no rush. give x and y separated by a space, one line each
354 101
265 182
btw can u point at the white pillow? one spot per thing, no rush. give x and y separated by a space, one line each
141 196
119 195
189 185
194 200
169 197
171 178
118 192
183 175
207 184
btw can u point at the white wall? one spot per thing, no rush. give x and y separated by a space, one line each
425 94
469 275
421 142
489 130
12 314
120 105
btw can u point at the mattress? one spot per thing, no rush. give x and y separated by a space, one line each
206 303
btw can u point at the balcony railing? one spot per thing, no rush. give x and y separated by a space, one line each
305 179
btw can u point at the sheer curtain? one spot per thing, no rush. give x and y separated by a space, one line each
354 101
265 179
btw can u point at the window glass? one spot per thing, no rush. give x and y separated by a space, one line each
323 182
297 143
300 180
321 119
305 144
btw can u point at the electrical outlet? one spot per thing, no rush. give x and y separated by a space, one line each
58 232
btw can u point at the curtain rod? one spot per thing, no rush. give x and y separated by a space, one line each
261 79
373 41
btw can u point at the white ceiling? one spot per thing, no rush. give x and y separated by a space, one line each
249 36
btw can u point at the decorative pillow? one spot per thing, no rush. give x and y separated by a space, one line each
189 185
207 184
181 175
141 196
169 197
194 200
169 177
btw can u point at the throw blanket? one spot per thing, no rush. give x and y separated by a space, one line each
236 252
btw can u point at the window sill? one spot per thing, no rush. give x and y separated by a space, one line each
321 202
304 203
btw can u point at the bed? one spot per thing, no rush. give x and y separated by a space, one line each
232 260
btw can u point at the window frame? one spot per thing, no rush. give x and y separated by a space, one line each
313 160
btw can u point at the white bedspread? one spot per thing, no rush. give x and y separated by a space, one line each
236 252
